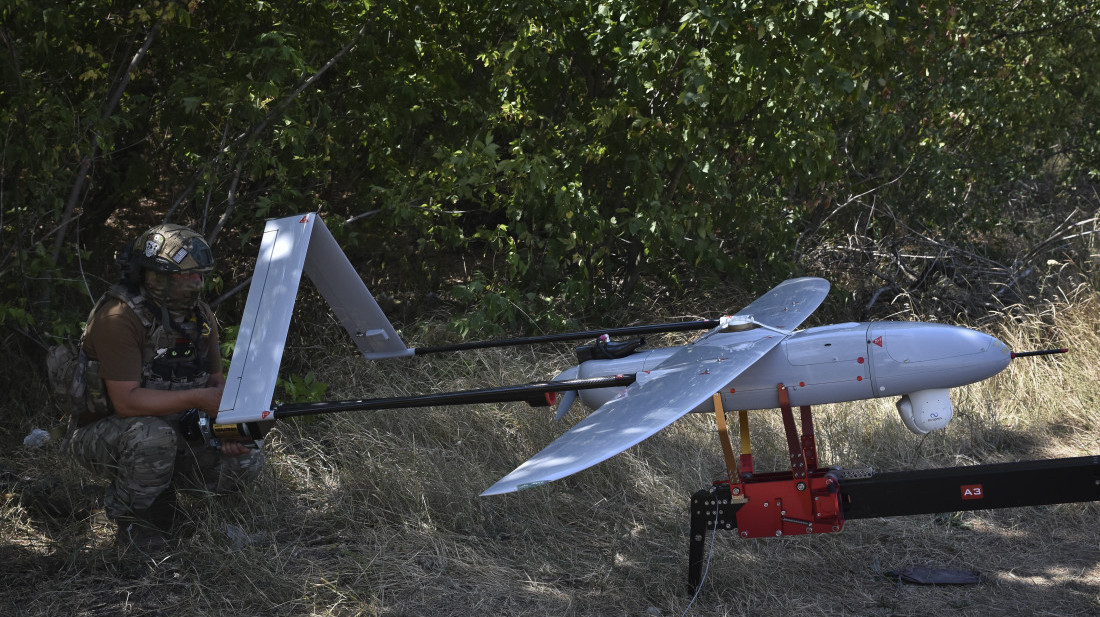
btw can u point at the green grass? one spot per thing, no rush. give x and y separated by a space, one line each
378 514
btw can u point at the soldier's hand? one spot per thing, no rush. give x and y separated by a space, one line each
233 448
209 399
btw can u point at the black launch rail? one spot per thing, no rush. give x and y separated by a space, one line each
903 493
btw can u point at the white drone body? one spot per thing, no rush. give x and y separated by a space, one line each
843 362
918 362
743 358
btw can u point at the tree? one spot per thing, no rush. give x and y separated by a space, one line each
534 159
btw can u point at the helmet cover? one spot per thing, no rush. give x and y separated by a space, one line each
173 248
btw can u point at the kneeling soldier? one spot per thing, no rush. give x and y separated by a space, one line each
149 353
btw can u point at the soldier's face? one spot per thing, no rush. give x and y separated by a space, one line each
177 291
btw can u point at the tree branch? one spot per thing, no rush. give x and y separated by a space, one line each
81 179
249 136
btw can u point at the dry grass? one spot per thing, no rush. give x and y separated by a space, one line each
378 514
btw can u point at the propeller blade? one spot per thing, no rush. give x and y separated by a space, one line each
564 403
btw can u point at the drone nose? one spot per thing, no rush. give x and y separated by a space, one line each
908 357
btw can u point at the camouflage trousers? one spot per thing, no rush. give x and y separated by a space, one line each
144 456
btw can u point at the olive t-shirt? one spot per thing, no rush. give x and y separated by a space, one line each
116 338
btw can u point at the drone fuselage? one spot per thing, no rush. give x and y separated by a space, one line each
837 363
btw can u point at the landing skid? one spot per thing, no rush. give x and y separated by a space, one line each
809 499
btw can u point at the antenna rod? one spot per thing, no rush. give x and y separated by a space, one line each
1043 352
533 393
685 326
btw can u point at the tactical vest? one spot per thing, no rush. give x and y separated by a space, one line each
174 357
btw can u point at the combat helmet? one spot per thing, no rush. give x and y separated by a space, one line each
166 250
172 248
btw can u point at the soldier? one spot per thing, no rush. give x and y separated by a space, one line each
150 353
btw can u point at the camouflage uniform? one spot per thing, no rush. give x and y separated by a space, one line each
147 457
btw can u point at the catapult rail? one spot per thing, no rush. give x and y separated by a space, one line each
979 487
903 493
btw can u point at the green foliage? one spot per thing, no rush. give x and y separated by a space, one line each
525 159
301 389
226 342
292 389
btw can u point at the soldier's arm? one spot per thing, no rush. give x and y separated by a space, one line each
130 399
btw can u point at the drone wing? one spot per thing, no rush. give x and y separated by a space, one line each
683 382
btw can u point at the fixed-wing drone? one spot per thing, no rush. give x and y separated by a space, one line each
754 359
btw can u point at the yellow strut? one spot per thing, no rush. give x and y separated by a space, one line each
724 438
743 424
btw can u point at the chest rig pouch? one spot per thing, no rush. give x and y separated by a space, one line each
175 354
177 358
